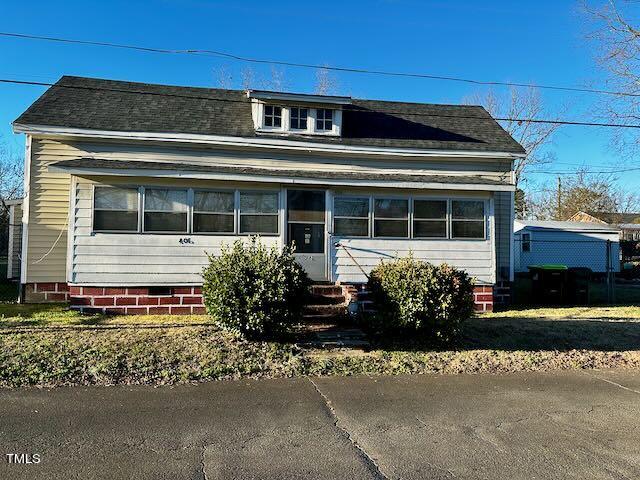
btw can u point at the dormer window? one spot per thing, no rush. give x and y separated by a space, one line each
324 119
272 116
299 118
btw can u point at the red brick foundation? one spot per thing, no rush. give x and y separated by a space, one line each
483 298
136 300
46 292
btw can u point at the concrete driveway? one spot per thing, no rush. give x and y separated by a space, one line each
562 425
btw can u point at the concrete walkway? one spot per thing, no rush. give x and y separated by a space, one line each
566 425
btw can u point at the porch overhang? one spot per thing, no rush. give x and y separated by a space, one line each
93 166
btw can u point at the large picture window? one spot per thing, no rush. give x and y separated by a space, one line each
391 217
351 216
259 212
467 219
430 218
165 210
115 209
213 212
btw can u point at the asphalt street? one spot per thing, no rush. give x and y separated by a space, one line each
564 425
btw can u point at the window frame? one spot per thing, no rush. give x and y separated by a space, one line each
236 207
324 120
484 218
188 212
447 216
239 213
93 208
299 118
368 217
524 242
374 218
273 116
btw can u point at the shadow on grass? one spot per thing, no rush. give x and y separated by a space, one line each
533 334
33 315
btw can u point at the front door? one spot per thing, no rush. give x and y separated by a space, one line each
306 230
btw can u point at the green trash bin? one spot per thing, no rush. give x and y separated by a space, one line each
549 283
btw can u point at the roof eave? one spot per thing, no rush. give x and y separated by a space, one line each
258 142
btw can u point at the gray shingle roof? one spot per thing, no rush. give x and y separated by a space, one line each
88 103
102 164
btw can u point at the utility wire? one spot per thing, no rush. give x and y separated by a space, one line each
389 73
405 113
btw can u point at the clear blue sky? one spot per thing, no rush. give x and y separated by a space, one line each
537 41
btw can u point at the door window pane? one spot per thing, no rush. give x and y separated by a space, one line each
307 237
305 206
351 216
391 217
165 210
115 209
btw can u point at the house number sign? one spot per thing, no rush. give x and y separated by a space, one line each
186 241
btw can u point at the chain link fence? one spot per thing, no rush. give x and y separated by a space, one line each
576 272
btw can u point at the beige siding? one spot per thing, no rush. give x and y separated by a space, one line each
139 259
48 198
15 241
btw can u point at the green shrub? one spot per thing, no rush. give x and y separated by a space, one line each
254 290
414 296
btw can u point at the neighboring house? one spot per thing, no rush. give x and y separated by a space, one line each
129 185
627 223
574 244
14 239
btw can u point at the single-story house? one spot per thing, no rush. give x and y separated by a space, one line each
574 244
129 185
627 223
14 238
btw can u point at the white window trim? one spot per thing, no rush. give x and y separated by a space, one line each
232 213
368 217
485 216
299 130
447 215
189 203
258 114
240 214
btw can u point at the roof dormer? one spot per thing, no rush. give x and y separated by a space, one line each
297 114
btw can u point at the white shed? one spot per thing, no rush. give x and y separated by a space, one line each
574 244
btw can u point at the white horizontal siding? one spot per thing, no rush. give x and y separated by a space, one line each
138 259
472 256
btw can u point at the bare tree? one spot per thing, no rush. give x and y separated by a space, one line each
277 82
11 176
326 82
248 78
521 104
224 77
617 45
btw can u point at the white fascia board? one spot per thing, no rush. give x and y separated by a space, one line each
299 97
257 142
281 179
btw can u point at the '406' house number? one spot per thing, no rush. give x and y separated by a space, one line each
186 240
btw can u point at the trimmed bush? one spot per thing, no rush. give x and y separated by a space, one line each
255 290
410 295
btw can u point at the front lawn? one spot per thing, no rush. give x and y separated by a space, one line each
49 346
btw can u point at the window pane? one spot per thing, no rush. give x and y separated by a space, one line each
258 224
258 202
471 210
165 200
351 207
277 121
108 198
268 121
277 111
473 229
117 221
319 125
268 110
328 125
218 202
430 209
305 206
351 227
390 208
328 114
391 228
165 222
429 228
203 222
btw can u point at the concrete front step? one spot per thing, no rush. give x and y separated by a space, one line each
326 290
335 309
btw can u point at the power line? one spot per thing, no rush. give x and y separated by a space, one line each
405 113
389 73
